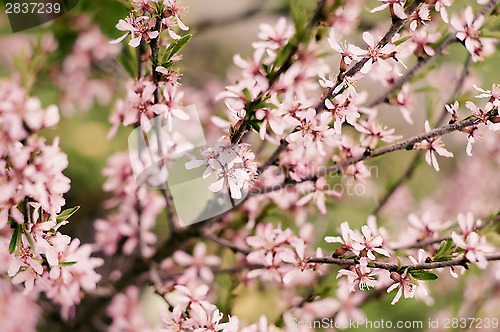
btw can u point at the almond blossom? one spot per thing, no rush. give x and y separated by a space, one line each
372 131
403 284
140 28
475 247
433 145
376 54
347 239
366 244
318 195
198 264
395 6
360 276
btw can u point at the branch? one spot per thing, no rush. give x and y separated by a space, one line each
422 244
438 50
223 242
313 21
417 159
403 145
320 106
459 261
154 43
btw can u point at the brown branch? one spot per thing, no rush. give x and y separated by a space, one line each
320 106
223 242
418 157
407 144
459 261
294 47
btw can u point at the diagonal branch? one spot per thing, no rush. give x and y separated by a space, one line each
407 144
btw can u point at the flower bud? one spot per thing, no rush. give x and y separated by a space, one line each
395 276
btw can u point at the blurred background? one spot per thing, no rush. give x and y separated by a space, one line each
222 28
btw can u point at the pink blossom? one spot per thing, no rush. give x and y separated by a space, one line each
347 239
318 195
376 54
199 264
139 27
395 6
372 131
403 284
421 38
366 244
360 275
440 6
419 17
433 145
274 37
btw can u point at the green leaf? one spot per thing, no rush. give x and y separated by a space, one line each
400 264
423 275
63 216
29 238
66 263
407 4
445 250
14 239
282 55
246 93
178 45
401 40
153 61
126 64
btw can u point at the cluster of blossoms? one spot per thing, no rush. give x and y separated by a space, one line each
282 254
234 167
135 209
84 75
468 31
32 185
155 94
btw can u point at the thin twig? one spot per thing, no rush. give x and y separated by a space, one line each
407 144
320 106
459 261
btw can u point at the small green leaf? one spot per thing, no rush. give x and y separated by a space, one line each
400 264
29 238
401 40
153 61
14 239
63 216
490 34
66 263
178 45
246 93
423 275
